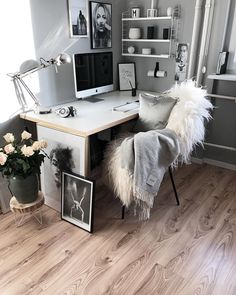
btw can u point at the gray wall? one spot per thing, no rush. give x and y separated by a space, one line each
51 37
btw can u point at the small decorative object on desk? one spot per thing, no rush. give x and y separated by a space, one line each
20 162
127 79
152 12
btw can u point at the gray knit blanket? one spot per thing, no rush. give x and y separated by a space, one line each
147 156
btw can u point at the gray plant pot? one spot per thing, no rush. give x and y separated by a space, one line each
26 189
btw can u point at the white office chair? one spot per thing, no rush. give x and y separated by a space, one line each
186 120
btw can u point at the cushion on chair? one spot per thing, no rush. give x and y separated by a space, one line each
154 112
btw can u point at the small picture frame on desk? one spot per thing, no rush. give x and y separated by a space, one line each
77 199
78 18
127 76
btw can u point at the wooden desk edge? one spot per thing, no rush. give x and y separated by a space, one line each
58 127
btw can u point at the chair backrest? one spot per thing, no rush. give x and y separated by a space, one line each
187 118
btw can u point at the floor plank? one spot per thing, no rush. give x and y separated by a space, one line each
181 250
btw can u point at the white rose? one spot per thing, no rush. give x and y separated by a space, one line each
36 146
9 148
25 135
9 137
43 144
3 158
27 150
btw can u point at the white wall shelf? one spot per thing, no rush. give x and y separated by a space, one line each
146 18
165 56
147 40
225 77
166 45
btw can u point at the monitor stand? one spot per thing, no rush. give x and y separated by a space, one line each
93 99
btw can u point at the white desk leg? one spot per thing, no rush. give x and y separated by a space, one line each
87 157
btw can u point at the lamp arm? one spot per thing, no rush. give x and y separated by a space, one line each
19 93
28 90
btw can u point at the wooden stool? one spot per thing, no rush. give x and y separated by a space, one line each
21 210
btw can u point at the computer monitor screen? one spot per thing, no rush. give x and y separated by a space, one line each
93 73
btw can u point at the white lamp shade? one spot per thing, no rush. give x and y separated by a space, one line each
28 65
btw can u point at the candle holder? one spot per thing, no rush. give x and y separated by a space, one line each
151 12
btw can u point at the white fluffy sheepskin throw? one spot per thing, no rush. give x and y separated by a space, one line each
186 120
188 116
118 179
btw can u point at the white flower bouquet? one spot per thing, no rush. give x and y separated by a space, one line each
22 157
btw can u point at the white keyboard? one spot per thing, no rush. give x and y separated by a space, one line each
129 106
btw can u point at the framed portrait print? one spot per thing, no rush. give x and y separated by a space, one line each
181 61
127 77
101 25
78 18
77 200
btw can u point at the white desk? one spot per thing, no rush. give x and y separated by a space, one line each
91 117
74 132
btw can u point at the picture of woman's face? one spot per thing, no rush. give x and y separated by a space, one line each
101 19
55 169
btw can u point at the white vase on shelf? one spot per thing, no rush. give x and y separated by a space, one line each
134 33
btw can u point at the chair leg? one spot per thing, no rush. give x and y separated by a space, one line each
173 185
123 212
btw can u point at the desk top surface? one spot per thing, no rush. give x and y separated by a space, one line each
91 117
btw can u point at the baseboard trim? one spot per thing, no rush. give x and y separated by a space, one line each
197 160
214 163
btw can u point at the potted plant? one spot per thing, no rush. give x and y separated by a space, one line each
20 162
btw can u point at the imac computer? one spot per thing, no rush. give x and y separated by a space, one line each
93 73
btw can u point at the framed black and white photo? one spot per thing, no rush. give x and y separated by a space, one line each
181 61
127 77
78 18
65 153
101 25
77 200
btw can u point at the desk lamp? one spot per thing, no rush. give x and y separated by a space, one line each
27 68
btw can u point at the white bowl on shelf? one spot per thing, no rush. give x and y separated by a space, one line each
134 33
131 49
146 51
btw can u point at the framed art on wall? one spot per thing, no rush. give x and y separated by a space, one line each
181 61
127 77
77 200
101 25
78 18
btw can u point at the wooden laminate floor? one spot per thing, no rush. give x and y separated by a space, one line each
185 250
